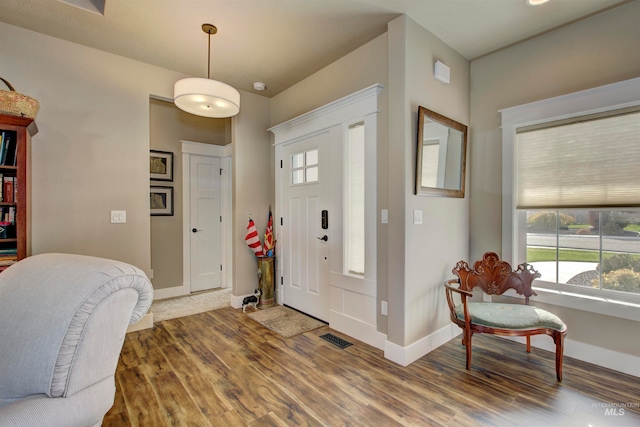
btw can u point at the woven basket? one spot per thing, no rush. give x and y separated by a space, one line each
17 104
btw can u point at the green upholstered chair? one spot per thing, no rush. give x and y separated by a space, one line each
495 277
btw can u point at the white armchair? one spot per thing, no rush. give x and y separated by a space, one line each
63 319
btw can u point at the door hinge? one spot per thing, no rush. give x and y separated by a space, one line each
281 222
220 218
281 280
280 164
220 171
220 267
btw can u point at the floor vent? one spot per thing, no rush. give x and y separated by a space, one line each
337 341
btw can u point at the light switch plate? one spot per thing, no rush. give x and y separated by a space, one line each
384 216
118 217
417 217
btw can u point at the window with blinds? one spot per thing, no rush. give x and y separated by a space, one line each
573 176
591 161
355 194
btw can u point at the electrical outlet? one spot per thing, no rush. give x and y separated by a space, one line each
383 308
151 274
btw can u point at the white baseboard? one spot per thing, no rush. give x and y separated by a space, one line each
404 356
145 323
614 360
357 329
176 291
236 302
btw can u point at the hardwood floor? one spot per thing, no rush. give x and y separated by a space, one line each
220 368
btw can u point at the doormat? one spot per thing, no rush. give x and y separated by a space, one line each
285 321
337 341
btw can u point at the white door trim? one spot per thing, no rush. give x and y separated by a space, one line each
190 148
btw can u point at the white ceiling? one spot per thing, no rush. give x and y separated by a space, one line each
280 42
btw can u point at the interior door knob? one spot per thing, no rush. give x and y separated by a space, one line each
324 238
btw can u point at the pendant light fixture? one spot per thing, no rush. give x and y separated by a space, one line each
206 97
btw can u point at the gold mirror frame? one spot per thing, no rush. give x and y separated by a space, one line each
441 155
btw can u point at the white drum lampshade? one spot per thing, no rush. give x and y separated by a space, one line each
206 97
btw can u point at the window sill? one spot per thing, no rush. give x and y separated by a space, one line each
595 304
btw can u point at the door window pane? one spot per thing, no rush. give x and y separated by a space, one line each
297 160
311 174
297 177
311 157
304 167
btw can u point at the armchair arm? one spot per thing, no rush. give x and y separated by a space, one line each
463 297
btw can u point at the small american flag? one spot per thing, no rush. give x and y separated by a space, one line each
269 243
252 239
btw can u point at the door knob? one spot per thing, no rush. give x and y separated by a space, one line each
324 238
195 230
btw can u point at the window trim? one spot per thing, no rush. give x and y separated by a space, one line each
591 101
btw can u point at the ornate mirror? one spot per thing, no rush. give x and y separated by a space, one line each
441 155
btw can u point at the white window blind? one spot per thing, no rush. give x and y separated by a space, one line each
594 162
355 238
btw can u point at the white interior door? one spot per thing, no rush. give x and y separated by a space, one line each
306 190
205 223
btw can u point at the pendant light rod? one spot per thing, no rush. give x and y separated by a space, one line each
209 29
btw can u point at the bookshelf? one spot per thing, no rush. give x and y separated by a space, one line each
15 147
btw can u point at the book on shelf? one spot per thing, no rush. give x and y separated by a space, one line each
7 189
8 148
8 260
8 215
3 138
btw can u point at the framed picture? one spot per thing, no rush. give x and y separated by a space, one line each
160 165
161 201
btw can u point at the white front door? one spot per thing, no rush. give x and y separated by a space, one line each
205 222
305 195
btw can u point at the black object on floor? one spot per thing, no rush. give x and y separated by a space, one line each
337 341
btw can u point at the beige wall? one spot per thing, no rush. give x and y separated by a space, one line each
91 155
168 125
252 188
421 256
598 51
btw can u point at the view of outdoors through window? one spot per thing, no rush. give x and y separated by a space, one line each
595 249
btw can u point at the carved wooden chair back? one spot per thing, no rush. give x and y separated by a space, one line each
495 277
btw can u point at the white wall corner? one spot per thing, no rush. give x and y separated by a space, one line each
145 323
405 356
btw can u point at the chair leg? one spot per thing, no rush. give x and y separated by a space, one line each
468 334
558 338
528 344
